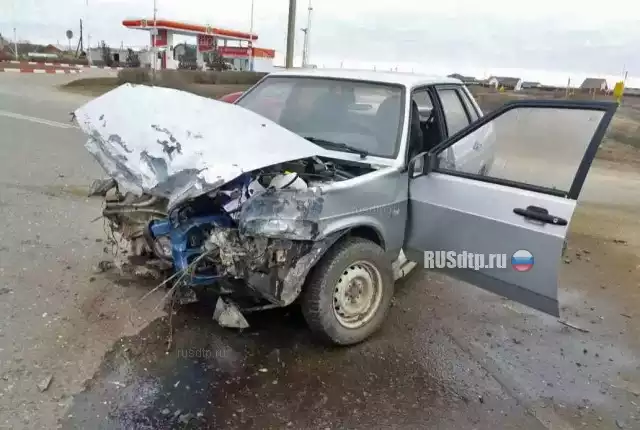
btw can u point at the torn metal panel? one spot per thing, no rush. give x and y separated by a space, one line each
100 187
297 273
283 214
177 145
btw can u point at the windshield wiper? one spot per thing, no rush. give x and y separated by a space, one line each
337 145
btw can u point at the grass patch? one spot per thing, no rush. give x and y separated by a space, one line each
97 86
91 86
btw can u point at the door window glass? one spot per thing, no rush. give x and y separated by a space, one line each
530 145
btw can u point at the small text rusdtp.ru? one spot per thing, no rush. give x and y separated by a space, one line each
463 260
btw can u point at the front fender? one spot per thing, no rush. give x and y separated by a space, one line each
351 222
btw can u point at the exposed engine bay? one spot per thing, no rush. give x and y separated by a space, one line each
244 239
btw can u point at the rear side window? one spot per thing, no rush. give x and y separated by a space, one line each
454 111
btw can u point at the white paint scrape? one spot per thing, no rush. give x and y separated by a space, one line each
145 137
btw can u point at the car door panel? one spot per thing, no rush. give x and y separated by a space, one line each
451 220
458 211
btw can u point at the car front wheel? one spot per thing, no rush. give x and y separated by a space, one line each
349 291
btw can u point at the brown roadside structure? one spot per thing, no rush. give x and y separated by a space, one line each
594 84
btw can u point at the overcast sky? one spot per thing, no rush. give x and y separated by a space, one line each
469 36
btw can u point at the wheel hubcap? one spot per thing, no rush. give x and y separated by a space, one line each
357 294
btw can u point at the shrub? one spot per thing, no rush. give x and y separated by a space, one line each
134 76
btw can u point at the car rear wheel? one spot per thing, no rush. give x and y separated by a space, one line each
349 292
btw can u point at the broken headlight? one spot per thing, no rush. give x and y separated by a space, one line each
162 247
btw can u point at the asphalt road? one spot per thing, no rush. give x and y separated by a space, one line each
450 356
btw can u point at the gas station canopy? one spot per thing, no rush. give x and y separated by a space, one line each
188 29
237 47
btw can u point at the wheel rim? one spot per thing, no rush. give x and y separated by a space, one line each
357 294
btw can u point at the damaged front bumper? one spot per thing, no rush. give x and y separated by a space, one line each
255 256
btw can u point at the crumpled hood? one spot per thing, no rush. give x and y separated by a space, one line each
178 145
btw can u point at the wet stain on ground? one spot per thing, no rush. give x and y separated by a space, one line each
275 375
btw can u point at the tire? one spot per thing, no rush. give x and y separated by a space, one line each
361 262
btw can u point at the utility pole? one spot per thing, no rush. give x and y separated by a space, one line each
80 46
306 31
250 39
15 32
15 42
154 50
291 29
86 20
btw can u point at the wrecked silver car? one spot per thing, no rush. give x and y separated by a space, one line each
311 184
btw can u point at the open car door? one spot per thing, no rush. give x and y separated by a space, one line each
519 207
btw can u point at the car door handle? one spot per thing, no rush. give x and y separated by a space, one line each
540 214
477 145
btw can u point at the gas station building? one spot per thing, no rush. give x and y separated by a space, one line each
236 47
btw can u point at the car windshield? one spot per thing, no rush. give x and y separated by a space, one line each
340 115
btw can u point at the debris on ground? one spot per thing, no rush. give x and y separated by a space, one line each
44 384
228 315
104 266
575 327
185 418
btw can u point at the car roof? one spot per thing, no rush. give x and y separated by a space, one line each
409 80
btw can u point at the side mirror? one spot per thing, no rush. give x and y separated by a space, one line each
418 165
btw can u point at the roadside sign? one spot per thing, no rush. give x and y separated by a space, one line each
206 43
618 90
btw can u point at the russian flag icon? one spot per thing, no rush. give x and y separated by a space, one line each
522 260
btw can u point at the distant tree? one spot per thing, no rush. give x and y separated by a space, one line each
188 56
106 54
216 62
133 60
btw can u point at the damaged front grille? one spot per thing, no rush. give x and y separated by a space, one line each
262 262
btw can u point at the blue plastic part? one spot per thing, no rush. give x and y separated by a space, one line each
179 233
182 250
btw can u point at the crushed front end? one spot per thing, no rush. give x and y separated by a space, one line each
242 241
192 199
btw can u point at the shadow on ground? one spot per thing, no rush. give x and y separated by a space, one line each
276 376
